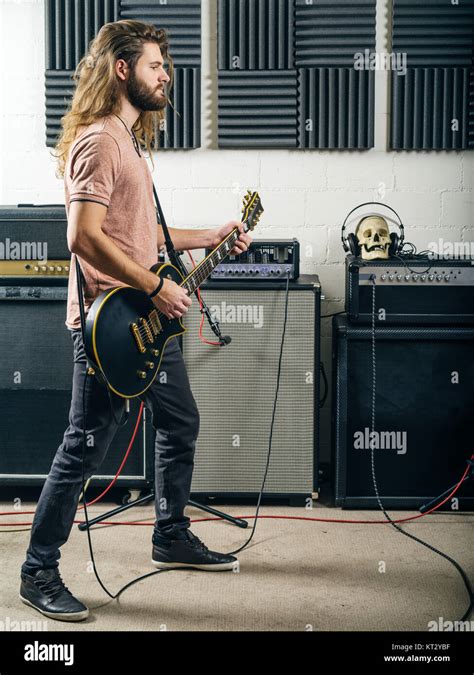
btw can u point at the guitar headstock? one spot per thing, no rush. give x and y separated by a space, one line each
252 209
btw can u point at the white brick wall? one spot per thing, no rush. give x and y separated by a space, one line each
305 194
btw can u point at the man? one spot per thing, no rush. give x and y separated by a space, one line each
112 229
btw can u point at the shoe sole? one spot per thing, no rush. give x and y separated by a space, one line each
216 567
61 616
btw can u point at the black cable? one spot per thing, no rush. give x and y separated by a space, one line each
112 411
104 588
322 401
326 316
464 576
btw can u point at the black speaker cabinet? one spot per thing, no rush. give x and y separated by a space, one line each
36 362
234 387
423 420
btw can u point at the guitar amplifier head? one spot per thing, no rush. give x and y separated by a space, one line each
234 387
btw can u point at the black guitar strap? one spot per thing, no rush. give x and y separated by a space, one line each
90 368
170 249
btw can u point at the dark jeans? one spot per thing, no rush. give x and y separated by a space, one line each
176 422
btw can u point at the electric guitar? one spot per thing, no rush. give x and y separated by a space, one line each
126 334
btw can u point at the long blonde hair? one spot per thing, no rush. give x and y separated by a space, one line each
97 92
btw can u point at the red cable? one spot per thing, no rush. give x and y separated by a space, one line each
119 471
201 337
320 520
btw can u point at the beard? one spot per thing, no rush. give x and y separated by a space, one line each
144 98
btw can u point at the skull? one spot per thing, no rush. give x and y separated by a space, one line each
374 237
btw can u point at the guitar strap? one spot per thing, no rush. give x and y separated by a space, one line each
170 249
80 295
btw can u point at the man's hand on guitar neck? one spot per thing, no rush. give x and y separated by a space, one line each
242 243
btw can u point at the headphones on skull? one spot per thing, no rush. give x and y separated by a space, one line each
350 243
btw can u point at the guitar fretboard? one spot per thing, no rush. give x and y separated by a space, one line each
204 269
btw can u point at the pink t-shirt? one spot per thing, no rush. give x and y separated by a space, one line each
103 166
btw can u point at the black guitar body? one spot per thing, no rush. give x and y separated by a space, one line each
129 360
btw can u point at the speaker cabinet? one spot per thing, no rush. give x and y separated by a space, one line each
423 414
234 387
36 363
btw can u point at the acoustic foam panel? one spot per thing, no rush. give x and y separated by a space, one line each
72 24
315 44
432 104
257 108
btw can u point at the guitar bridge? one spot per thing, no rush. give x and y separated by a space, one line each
138 338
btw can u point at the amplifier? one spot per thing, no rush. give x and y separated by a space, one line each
423 414
34 232
410 290
234 387
36 363
265 259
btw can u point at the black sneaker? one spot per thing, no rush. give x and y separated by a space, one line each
190 552
46 592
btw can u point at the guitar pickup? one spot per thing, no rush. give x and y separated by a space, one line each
155 322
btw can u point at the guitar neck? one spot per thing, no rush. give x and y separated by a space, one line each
205 267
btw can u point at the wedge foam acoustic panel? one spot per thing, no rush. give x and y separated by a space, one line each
234 387
72 24
309 94
424 392
432 104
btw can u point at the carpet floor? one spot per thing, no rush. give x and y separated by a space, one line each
294 576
